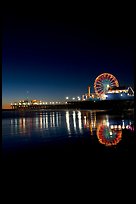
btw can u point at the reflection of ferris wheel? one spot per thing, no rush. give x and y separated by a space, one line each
103 82
107 136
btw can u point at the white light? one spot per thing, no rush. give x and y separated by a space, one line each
79 121
65 102
67 121
67 97
127 126
110 133
108 123
15 104
11 104
111 126
56 102
46 103
74 120
121 94
73 98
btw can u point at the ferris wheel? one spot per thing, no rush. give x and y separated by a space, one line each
103 82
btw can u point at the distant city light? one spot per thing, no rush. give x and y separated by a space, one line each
67 97
73 98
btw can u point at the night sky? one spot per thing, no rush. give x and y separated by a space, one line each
51 59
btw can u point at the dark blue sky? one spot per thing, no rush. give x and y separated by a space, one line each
53 59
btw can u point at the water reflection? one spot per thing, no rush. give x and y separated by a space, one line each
22 125
108 136
74 121
68 121
108 129
79 121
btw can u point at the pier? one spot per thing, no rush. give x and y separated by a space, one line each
116 105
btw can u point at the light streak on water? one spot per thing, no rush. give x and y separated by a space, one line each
67 121
79 121
74 120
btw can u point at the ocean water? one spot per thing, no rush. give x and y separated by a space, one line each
64 148
43 134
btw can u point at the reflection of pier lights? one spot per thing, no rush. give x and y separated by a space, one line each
119 127
22 125
67 121
57 119
89 120
43 118
46 121
79 121
53 119
92 125
85 123
74 120
41 122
